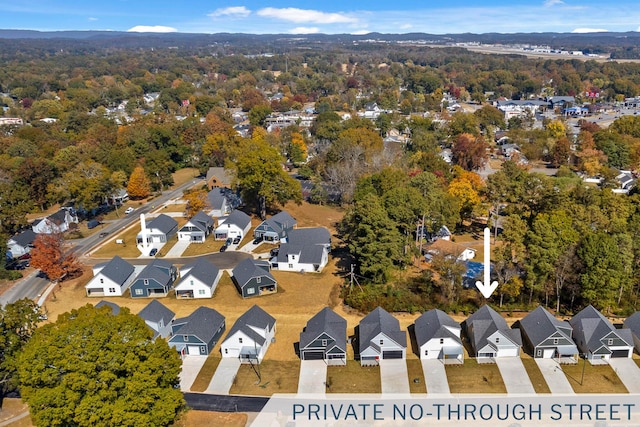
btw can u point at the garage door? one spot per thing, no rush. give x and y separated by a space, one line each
620 353
312 355
194 350
396 354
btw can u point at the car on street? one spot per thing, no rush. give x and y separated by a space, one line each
223 248
128 210
153 252
103 234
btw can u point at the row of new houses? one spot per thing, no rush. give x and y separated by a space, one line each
378 335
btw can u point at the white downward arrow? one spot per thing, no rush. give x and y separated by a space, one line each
487 288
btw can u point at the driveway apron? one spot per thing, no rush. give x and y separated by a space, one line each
514 375
435 376
554 376
394 376
313 377
223 377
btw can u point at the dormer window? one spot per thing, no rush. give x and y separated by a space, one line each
381 342
497 340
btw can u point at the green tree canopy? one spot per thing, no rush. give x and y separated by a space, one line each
93 368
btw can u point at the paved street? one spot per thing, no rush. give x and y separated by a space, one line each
514 375
628 372
394 376
313 377
223 377
554 376
435 376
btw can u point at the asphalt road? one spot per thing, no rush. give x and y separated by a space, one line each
34 285
224 403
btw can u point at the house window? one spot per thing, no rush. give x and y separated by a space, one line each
112 290
145 281
138 291
426 352
441 340
323 343
226 351
201 291
381 342
185 337
239 340
251 291
539 352
555 341
101 280
203 349
191 282
497 340
258 279
610 341
290 265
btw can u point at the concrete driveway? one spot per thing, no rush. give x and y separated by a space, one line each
394 376
514 375
177 249
191 366
223 377
554 376
435 376
628 372
313 377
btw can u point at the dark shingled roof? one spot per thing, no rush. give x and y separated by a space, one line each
155 311
115 308
216 198
484 322
309 236
117 270
202 221
25 238
164 223
255 317
433 324
540 325
326 320
380 321
280 221
202 270
593 326
157 270
248 269
633 323
238 218
202 323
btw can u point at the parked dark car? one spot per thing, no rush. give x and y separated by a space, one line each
229 241
237 240
257 240
153 252
223 248
274 251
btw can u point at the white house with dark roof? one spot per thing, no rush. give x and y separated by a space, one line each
380 337
325 338
197 228
598 339
276 228
250 336
546 337
306 250
112 278
198 280
58 222
198 333
156 232
158 318
253 278
490 336
438 337
236 224
21 243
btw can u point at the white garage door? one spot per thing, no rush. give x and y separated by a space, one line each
194 350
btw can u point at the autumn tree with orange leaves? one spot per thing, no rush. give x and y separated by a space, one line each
196 201
49 256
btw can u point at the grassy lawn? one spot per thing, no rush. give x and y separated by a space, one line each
276 377
414 369
206 247
192 418
126 250
206 373
13 407
597 379
353 378
475 378
537 379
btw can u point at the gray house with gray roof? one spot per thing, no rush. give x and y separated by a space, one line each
253 278
21 243
325 338
546 337
155 280
438 337
198 280
598 339
158 318
380 337
250 336
198 333
112 278
276 228
490 336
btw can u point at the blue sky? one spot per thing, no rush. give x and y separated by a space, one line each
329 16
